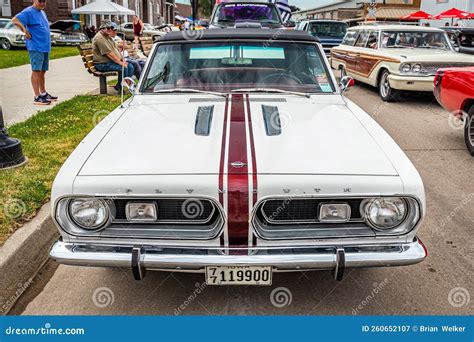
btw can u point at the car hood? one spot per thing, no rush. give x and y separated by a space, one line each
63 25
429 55
156 136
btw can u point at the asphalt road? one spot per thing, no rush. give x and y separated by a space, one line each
442 284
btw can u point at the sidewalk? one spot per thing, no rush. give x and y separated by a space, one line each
66 78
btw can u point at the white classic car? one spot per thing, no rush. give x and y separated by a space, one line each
238 157
396 57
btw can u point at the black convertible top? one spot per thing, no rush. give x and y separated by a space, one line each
240 33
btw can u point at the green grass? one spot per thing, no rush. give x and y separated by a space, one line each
17 57
47 139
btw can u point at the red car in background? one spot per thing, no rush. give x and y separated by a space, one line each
454 90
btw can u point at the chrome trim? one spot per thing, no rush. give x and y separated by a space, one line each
416 202
282 259
109 200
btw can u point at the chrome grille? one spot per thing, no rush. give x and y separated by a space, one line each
430 69
302 210
173 210
297 218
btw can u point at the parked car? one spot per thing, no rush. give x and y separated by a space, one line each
63 33
329 32
455 92
10 35
246 13
149 30
396 57
228 160
462 38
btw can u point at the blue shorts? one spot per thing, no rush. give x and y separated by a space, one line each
39 60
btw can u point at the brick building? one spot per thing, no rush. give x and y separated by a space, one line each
151 11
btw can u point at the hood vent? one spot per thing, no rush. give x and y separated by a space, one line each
271 117
203 120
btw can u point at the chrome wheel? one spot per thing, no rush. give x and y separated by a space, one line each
5 44
469 131
385 90
384 85
343 71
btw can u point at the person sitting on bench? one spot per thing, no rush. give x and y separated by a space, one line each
106 54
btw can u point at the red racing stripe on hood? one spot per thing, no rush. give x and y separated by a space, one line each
238 178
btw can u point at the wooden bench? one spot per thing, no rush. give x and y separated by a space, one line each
87 57
146 43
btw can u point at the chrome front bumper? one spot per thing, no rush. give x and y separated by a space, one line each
140 258
412 83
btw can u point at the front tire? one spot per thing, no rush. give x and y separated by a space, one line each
469 131
342 68
5 44
387 93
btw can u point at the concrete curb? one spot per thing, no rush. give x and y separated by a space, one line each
23 255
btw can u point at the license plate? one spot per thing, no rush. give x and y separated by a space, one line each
239 275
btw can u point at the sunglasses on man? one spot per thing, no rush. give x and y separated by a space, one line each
112 28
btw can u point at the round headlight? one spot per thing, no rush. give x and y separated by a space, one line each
385 213
416 68
406 68
89 213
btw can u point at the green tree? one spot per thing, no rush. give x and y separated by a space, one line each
205 7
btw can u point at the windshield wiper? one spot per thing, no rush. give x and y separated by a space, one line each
187 90
271 90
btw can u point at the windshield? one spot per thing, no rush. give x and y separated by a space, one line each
328 30
432 40
229 14
224 66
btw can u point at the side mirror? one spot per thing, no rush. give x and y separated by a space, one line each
345 83
129 83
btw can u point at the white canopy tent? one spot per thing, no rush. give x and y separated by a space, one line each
104 7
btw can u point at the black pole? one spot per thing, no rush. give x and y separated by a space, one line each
11 153
195 6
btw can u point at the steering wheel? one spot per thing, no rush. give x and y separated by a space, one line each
281 75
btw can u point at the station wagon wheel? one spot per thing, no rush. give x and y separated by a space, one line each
5 44
469 131
343 71
387 93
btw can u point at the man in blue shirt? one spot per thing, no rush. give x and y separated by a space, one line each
34 23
